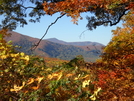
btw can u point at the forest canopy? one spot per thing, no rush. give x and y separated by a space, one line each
20 12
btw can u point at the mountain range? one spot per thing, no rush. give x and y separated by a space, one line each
56 48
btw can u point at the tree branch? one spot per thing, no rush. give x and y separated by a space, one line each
111 24
83 33
35 46
106 18
26 7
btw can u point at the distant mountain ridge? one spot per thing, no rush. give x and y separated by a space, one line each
85 43
56 48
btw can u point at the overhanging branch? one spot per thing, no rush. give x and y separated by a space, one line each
35 46
111 24
103 17
26 7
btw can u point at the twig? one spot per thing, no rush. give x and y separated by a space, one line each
83 32
35 46
26 7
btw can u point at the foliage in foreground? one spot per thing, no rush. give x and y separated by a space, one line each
111 78
116 77
26 78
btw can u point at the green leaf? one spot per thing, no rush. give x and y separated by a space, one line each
1 36
79 88
72 99
9 42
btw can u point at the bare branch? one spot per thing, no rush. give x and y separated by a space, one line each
26 7
83 33
35 46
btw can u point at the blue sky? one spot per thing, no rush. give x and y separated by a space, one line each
65 30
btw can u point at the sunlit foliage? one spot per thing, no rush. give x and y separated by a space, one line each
116 76
105 11
111 78
16 69
27 78
19 12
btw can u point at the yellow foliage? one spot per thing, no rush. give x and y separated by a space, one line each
48 69
17 88
55 75
39 79
31 80
22 54
93 97
35 87
85 83
69 74
76 78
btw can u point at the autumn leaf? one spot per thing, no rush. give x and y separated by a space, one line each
39 79
85 83
93 97
31 80
17 88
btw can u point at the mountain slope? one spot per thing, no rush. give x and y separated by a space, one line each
50 49
87 45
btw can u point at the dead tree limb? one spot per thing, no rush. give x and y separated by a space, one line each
35 46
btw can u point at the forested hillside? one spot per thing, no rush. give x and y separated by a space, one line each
90 51
86 43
